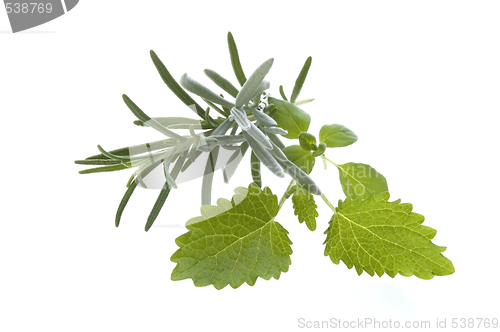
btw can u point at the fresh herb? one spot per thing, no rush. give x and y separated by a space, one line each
239 240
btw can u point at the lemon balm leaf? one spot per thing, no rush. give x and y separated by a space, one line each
236 246
304 207
361 180
378 236
240 240
297 155
290 117
336 135
307 141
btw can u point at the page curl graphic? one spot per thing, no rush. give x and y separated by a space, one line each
26 14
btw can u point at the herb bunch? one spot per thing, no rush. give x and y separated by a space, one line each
239 240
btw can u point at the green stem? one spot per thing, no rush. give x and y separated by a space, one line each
330 205
325 158
285 196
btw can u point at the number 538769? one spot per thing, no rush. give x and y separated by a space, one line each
28 7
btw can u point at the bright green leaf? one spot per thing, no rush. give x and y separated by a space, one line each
300 157
320 150
290 117
304 207
380 237
307 141
361 180
336 135
238 245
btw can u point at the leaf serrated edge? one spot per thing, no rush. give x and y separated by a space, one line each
253 189
384 196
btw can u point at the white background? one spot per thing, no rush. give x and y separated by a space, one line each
418 81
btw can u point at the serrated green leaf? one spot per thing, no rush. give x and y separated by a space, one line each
361 180
236 246
290 117
378 236
300 80
300 157
336 135
304 207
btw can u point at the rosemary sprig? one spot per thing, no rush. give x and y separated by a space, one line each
250 112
